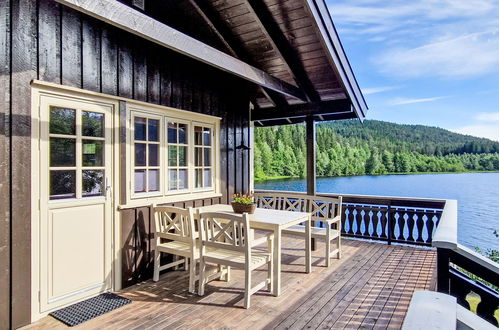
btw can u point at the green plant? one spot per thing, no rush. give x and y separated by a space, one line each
243 198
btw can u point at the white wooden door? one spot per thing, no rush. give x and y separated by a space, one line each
75 200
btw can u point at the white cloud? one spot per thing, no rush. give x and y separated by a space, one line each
467 55
490 131
488 116
433 38
403 100
375 90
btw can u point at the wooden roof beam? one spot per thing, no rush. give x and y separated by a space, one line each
300 110
133 21
283 47
233 45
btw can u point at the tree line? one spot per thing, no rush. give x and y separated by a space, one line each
347 148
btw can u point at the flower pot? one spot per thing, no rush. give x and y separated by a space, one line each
243 208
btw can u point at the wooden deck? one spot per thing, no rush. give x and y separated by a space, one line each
370 287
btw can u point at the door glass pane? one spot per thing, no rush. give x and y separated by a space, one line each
198 135
93 153
172 156
153 180
207 156
93 183
62 152
182 179
182 156
198 156
62 184
92 124
140 154
207 178
140 128
153 130
207 136
172 180
198 178
62 121
182 133
153 155
140 180
172 132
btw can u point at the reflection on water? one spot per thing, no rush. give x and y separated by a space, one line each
477 195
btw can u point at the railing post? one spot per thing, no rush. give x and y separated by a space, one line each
389 225
443 279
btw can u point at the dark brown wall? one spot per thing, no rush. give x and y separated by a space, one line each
46 41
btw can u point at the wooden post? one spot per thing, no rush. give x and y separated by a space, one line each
311 156
443 258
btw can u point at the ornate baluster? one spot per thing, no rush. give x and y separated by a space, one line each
419 226
358 220
410 225
384 220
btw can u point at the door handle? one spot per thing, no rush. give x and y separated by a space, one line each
108 186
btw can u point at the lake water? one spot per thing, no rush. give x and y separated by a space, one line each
477 195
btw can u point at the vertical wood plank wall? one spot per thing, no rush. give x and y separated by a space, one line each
47 41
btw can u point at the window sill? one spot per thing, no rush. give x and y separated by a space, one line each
168 199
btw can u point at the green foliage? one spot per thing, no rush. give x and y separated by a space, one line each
243 199
373 147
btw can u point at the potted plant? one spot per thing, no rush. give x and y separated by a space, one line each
243 203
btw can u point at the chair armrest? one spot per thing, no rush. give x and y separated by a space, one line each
336 219
263 239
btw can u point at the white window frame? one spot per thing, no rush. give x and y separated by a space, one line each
166 115
212 157
135 114
190 155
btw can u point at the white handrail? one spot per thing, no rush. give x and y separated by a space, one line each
446 232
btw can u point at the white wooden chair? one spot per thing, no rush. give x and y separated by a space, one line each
325 210
226 239
177 226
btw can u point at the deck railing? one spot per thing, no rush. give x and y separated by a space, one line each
462 271
390 219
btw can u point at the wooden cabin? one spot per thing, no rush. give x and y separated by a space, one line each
111 106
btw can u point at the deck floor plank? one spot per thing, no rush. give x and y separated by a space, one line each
370 287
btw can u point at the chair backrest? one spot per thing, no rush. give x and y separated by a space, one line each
324 207
320 207
225 231
174 223
280 201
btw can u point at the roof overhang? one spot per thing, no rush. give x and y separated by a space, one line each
290 49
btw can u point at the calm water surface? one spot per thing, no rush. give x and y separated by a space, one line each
477 195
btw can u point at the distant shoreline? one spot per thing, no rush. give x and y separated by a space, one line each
277 178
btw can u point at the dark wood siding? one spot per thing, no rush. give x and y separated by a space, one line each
47 41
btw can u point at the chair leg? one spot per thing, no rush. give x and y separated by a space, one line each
247 287
186 264
328 252
192 275
157 258
270 274
202 277
227 274
338 244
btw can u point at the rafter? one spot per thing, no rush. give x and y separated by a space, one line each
300 110
283 47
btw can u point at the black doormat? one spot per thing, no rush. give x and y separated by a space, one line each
90 308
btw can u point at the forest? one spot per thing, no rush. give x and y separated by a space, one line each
346 148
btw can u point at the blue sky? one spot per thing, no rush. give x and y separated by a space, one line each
430 62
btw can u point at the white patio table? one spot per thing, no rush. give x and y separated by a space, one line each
275 221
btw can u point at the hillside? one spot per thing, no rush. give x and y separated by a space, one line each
373 147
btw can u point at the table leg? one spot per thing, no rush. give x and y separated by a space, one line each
277 262
308 243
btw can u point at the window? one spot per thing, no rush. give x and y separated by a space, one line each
146 153
76 158
178 166
202 157
172 153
